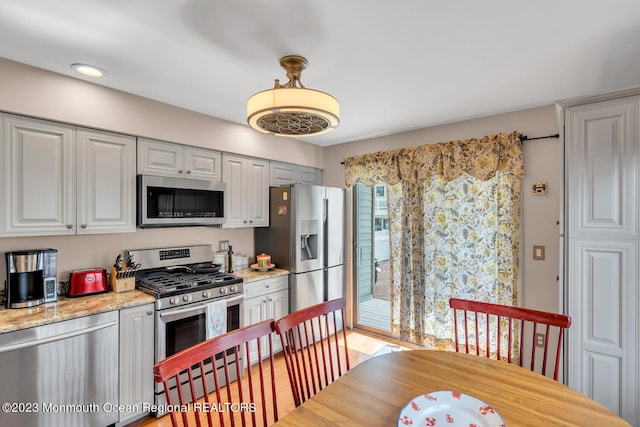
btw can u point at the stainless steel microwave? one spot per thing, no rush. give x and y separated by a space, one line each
175 202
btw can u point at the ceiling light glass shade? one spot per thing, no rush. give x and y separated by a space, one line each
293 112
291 109
88 70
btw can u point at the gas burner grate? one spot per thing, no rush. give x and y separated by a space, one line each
164 283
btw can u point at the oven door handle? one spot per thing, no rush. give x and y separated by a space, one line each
184 310
197 308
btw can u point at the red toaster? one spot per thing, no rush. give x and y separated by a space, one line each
87 282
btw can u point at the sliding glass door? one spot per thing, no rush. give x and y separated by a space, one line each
371 235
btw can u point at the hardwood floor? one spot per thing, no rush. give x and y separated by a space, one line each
362 346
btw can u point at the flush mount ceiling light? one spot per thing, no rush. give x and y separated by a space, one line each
291 109
88 70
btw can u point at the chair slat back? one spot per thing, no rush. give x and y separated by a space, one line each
249 400
314 342
486 329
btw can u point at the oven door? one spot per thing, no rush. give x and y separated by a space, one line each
183 327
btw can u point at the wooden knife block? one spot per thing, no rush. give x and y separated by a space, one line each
122 284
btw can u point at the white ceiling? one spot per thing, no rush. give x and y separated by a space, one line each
394 66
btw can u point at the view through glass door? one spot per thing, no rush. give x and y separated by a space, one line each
371 231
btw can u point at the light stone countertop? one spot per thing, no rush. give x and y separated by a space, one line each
70 308
250 275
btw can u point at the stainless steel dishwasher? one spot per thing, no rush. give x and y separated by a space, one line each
62 374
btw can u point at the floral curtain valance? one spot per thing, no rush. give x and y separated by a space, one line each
478 157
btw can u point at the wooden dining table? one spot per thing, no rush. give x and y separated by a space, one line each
374 392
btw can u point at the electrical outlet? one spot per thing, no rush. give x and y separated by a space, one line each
224 245
539 340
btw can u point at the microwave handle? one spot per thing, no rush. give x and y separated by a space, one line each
198 307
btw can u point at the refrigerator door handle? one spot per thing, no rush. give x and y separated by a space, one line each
325 209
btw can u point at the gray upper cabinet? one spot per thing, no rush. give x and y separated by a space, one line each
247 194
287 173
174 160
58 179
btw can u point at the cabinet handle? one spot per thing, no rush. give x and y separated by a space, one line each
188 172
69 226
266 286
149 313
250 221
83 226
245 221
180 171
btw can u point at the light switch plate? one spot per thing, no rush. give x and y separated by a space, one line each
223 245
538 253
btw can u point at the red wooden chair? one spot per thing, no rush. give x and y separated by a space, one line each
314 358
524 330
231 402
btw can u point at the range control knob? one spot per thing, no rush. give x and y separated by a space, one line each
187 298
206 294
174 300
233 288
223 291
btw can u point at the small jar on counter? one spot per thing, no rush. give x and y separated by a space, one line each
221 258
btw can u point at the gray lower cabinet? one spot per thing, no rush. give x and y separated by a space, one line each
266 299
136 361
63 374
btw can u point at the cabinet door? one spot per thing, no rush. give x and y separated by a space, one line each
278 303
603 154
136 359
307 175
203 164
257 196
247 193
603 339
38 177
282 174
106 182
255 310
160 158
233 170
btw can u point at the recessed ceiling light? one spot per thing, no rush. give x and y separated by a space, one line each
88 70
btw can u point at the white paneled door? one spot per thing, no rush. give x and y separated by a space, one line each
602 166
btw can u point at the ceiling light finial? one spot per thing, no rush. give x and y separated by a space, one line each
291 109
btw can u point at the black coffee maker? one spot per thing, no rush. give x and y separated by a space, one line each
31 277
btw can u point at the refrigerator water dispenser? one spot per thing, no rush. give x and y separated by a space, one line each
309 239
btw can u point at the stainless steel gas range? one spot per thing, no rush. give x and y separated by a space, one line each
186 285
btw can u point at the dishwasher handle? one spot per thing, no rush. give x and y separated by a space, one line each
59 337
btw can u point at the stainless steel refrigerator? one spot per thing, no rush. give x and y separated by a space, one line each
306 237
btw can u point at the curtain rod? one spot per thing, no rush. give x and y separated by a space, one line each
524 138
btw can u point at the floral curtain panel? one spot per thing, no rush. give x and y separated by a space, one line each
453 220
